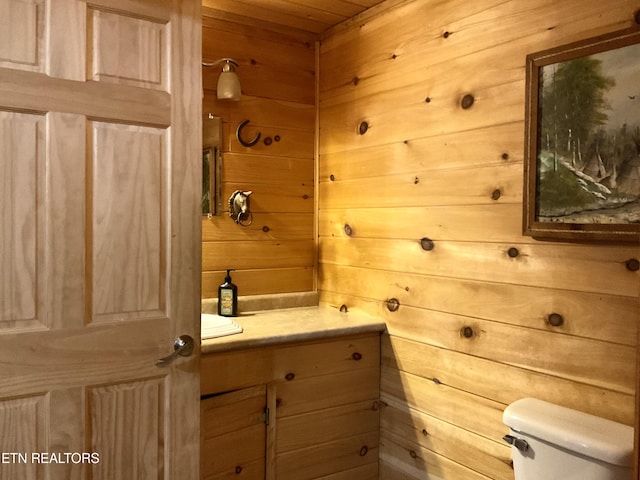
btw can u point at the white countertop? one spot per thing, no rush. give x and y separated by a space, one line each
286 325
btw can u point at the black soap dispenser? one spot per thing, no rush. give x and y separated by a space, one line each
228 297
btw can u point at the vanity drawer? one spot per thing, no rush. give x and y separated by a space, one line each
226 371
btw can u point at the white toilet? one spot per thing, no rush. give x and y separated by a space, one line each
550 442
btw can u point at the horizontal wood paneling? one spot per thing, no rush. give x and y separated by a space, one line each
480 454
428 169
500 144
548 266
262 281
249 254
269 112
410 460
473 33
243 168
585 314
497 222
296 198
437 187
276 253
485 376
279 226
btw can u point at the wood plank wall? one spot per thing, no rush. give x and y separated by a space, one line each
427 168
277 72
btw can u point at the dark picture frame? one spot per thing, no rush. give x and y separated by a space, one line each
582 140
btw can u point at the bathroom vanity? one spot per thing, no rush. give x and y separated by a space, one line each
294 396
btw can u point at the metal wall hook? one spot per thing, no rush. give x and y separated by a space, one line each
243 142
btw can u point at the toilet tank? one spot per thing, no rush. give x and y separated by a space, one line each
564 444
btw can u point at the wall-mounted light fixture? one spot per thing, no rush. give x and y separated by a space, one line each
228 82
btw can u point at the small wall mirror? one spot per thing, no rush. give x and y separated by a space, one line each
211 165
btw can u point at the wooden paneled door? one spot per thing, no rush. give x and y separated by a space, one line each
100 164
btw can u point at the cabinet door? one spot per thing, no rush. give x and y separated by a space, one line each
327 418
233 431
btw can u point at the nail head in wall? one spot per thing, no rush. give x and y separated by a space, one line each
356 356
332 177
437 381
513 252
413 454
363 127
505 156
289 376
427 100
253 61
416 180
364 450
355 81
348 231
265 229
446 34
343 308
268 140
393 304
633 265
238 470
305 196
277 138
424 432
555 319
495 195
426 244
467 101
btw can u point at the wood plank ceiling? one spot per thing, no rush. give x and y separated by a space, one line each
311 16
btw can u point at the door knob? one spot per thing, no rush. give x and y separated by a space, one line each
182 347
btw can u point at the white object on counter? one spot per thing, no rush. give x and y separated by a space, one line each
213 326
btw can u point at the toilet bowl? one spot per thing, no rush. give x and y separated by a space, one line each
550 442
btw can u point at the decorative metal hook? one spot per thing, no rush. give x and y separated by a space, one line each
239 135
239 208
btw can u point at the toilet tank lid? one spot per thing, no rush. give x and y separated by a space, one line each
580 432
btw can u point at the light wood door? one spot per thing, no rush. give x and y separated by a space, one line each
99 238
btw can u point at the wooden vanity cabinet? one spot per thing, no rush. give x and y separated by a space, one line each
299 411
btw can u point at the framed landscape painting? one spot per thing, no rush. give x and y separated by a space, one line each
582 140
